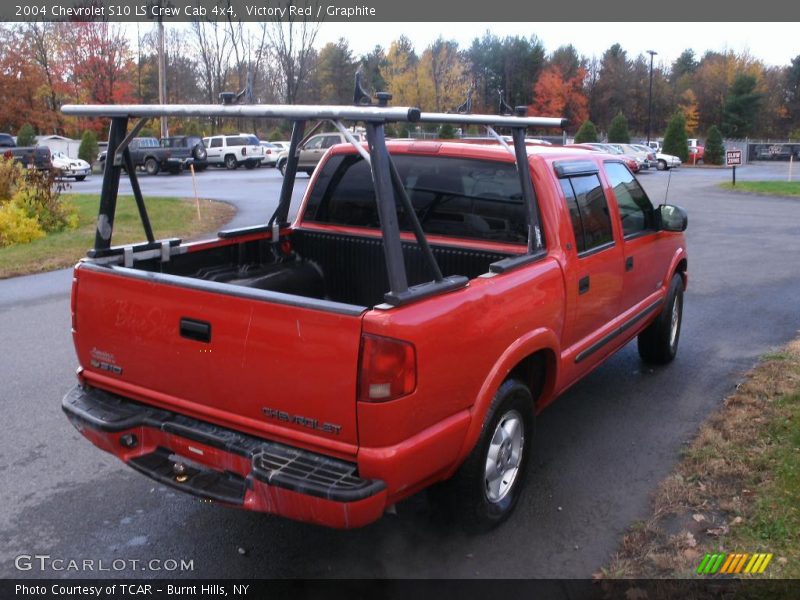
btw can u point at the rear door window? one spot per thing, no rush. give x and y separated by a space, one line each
588 209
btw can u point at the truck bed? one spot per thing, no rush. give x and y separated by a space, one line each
328 266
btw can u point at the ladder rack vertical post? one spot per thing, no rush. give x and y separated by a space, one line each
528 194
281 214
110 189
387 209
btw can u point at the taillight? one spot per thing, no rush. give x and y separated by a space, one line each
73 302
388 369
244 151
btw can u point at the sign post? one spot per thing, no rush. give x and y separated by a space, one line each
732 159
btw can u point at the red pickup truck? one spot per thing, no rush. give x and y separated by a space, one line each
402 333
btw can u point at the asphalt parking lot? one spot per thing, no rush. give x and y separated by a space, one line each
600 450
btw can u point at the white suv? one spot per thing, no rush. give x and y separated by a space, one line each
233 151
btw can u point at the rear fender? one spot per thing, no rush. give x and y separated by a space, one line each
534 341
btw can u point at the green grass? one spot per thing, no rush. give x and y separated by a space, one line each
170 217
775 522
768 188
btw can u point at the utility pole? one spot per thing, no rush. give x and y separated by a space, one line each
652 53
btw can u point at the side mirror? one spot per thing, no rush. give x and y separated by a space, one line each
672 218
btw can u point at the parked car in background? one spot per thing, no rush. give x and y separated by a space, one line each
312 151
654 145
612 149
282 145
64 166
233 151
194 143
149 154
7 140
37 157
271 152
667 161
652 161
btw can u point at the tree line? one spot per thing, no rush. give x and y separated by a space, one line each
46 65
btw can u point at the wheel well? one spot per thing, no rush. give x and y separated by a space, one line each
683 265
537 371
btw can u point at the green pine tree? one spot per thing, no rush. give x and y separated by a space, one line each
618 130
715 150
586 133
447 132
88 148
26 136
675 140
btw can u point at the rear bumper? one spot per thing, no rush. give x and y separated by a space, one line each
226 466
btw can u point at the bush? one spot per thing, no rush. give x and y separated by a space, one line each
675 140
26 136
447 132
715 150
88 149
31 204
16 227
586 133
618 130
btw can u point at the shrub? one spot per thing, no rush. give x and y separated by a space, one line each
675 140
618 130
586 133
31 204
715 150
447 132
16 227
26 136
88 149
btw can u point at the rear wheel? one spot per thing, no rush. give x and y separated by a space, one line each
658 344
230 162
282 167
485 489
250 164
151 166
80 177
662 165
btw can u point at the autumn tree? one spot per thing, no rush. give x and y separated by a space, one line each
715 150
618 130
292 45
442 79
559 97
675 139
688 104
586 133
400 72
792 91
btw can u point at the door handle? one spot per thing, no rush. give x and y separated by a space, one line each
196 330
583 285
629 263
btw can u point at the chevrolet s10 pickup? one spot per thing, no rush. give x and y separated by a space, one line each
401 333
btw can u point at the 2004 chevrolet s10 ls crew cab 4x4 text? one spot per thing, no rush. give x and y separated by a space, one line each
402 333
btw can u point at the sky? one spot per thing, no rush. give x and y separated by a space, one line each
774 43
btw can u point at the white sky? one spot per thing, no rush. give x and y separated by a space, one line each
774 43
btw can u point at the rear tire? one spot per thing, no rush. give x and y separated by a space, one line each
250 165
658 344
485 489
282 168
662 165
230 162
151 166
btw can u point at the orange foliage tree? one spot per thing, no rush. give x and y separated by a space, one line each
555 95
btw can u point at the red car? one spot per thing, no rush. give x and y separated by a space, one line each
402 333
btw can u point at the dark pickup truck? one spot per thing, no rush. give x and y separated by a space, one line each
402 333
149 154
38 157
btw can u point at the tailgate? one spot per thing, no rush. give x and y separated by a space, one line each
246 362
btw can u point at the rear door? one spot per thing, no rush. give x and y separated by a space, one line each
594 268
214 149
